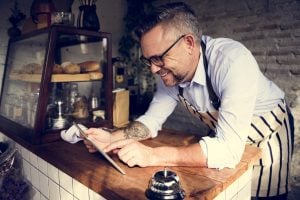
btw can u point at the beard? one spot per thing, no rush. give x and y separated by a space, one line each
173 79
178 78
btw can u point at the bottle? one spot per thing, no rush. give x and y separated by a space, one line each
87 17
93 102
73 95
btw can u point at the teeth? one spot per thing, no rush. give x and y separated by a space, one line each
162 75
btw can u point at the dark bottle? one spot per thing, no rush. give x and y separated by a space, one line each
87 18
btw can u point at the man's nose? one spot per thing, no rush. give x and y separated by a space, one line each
154 68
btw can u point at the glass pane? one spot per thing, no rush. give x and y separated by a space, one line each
77 86
22 79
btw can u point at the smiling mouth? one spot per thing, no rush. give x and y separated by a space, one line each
164 74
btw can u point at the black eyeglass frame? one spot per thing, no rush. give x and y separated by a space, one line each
158 59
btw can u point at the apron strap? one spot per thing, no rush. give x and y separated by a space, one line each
180 90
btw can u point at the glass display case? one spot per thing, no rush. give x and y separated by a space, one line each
53 77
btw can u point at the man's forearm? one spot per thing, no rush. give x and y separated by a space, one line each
190 155
135 130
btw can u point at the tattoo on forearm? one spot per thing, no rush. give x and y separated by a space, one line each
136 130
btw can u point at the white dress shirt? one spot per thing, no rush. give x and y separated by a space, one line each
243 90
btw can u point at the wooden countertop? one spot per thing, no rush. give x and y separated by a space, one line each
98 174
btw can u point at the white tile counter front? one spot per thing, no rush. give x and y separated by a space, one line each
50 183
240 189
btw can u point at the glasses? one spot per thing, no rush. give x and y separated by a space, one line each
158 60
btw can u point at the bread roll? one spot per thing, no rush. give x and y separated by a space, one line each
95 75
32 68
70 68
37 69
89 66
57 69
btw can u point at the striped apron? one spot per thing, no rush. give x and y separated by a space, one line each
271 132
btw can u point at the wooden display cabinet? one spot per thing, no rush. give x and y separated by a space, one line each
39 94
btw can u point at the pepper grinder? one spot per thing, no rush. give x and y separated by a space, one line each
164 185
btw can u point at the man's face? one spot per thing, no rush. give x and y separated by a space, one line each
174 60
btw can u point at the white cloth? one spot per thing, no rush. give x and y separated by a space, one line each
72 135
243 90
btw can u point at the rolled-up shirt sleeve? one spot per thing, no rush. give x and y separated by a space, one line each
161 106
238 89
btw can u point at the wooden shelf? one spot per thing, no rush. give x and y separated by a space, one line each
70 77
36 78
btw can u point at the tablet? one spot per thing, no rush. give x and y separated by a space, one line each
82 133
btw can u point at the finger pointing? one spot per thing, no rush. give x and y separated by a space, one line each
118 144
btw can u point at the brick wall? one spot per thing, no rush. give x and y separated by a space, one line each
271 30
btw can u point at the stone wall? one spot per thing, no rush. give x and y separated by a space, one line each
271 30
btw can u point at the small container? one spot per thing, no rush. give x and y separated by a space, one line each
98 114
93 102
81 108
62 18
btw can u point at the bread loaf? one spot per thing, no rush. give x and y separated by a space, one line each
70 68
89 66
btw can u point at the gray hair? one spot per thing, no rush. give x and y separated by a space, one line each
178 16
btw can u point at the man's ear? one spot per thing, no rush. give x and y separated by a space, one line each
190 42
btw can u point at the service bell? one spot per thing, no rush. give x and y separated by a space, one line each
164 185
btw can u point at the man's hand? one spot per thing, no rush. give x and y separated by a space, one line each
101 138
132 152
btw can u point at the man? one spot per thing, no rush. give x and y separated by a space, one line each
219 81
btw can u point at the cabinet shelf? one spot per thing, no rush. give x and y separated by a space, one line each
55 78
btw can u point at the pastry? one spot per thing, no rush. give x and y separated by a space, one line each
37 69
57 69
89 66
70 68
32 68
